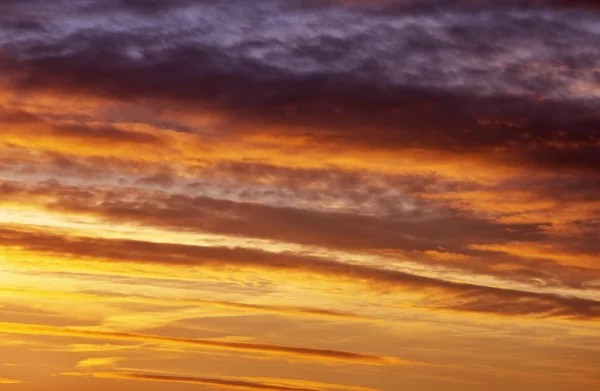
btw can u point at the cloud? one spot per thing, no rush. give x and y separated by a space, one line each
87 348
288 310
542 251
528 205
230 384
442 156
446 256
4 380
95 362
300 353
448 294
497 216
222 216
346 86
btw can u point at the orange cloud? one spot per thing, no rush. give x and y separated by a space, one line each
447 256
269 144
271 309
521 207
95 362
4 380
98 253
311 354
542 251
229 384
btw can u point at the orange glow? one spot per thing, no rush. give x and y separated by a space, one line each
280 195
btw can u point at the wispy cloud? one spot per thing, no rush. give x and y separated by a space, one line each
277 350
242 384
95 362
449 294
383 175
4 380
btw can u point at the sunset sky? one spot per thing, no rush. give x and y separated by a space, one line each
299 195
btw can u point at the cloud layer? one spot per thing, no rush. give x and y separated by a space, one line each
289 183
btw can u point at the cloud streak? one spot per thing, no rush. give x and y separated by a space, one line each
4 380
310 354
451 295
177 165
181 301
216 383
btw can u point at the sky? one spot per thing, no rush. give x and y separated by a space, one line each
299 195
